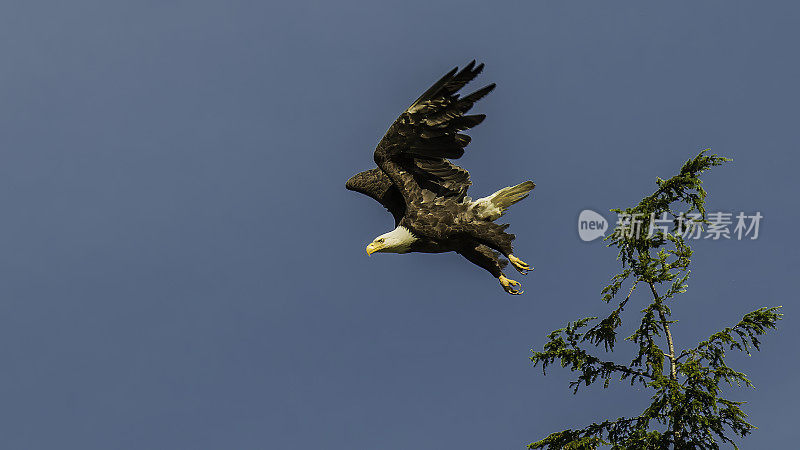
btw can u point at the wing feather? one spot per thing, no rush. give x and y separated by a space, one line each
374 183
416 149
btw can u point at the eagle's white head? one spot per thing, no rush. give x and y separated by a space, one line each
398 240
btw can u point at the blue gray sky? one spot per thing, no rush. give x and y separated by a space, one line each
183 268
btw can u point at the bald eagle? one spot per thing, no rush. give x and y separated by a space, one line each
427 194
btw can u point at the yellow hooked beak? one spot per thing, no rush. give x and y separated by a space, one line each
373 247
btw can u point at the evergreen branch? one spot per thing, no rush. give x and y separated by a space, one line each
633 431
686 187
605 331
564 346
741 336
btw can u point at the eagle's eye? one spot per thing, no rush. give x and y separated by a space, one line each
380 240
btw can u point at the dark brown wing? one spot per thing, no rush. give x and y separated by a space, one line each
416 149
377 185
440 178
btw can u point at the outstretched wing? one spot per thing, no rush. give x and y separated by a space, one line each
416 149
377 185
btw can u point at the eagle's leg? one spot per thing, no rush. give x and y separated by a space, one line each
507 283
521 266
494 236
483 256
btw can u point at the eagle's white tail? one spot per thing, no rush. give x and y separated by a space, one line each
495 205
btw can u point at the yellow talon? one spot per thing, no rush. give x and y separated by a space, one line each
507 283
521 266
